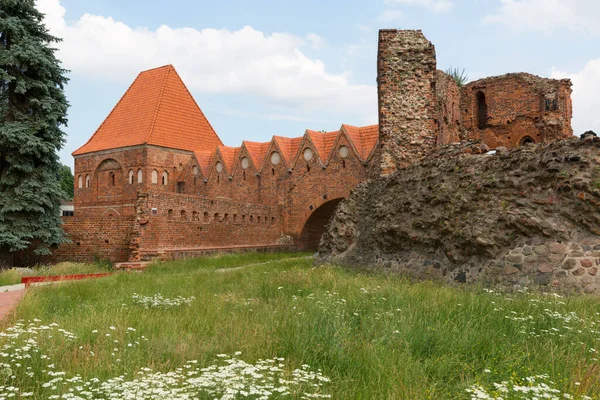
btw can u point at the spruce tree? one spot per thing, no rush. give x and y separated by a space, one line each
33 109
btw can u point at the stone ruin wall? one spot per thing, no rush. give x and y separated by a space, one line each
406 76
518 107
421 108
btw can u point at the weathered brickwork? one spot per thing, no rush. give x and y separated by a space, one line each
513 109
449 118
155 180
406 76
91 238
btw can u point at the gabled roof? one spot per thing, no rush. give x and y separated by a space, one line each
229 156
257 152
288 146
364 138
157 109
204 160
323 142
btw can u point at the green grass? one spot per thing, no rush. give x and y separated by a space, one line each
376 337
13 276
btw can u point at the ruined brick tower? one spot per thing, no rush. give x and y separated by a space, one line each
406 76
421 108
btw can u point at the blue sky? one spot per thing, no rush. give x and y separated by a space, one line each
263 68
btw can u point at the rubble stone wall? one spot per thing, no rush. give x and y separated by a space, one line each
529 216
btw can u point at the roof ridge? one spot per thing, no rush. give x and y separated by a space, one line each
109 114
158 103
197 106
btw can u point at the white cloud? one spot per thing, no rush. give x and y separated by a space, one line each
390 15
548 15
316 41
244 61
434 5
586 102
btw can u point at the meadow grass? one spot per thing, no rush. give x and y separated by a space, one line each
374 337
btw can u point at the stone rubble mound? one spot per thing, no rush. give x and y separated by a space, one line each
528 217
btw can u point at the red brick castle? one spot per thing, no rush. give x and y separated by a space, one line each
156 180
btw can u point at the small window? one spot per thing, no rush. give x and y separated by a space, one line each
273 220
482 114
308 154
245 162
195 170
195 216
258 219
154 177
130 177
206 217
140 177
66 213
251 218
87 181
217 217
226 217
275 158
165 178
170 214
111 179
235 218
183 215
343 153
219 167
243 218
80 182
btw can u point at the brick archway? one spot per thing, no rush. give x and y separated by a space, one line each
314 227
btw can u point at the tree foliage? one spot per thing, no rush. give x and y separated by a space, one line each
33 109
67 181
459 76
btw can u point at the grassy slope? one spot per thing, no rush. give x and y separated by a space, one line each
375 337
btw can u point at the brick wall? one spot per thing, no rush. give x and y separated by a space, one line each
179 221
449 118
517 108
406 70
92 238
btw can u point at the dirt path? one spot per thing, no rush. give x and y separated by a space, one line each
9 300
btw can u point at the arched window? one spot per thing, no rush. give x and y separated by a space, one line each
206 217
80 182
183 215
154 177
87 181
140 176
130 177
165 178
527 140
111 179
482 115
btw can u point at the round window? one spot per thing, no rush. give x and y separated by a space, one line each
245 162
219 167
308 154
343 151
275 158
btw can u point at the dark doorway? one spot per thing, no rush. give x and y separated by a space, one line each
315 225
527 140
482 114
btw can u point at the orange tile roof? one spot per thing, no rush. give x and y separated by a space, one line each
288 146
229 156
323 142
157 109
257 152
364 138
204 160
